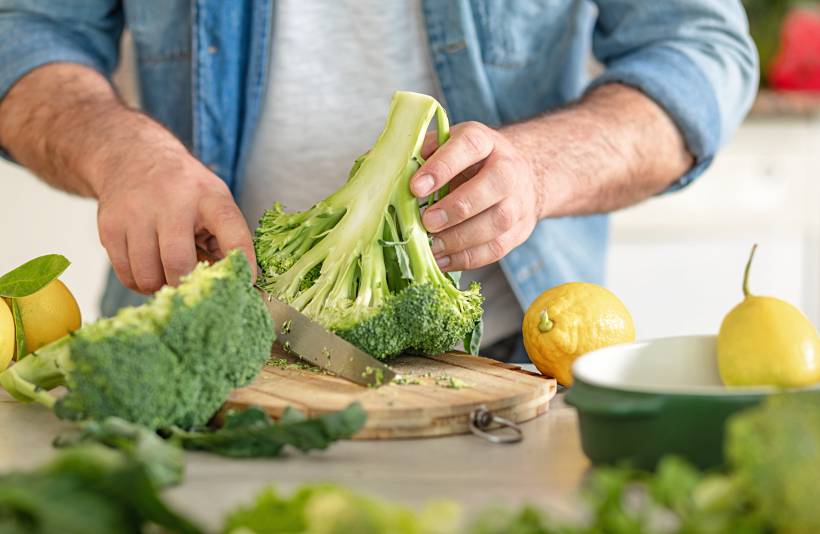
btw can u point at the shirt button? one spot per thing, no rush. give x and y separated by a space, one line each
212 49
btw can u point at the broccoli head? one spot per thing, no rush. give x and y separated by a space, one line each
359 262
170 362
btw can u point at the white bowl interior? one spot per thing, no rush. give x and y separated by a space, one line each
685 364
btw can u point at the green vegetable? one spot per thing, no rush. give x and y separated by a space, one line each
249 433
19 333
775 452
252 433
359 262
32 276
164 461
89 489
329 509
170 362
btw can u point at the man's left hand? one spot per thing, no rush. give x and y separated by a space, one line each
494 200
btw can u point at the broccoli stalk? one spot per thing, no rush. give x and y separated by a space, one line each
170 362
359 262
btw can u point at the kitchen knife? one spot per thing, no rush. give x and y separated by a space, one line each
309 340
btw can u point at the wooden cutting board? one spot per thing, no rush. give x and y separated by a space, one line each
436 398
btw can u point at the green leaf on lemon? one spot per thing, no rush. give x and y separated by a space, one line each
19 333
32 276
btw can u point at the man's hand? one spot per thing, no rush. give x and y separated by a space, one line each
156 201
612 149
154 211
494 202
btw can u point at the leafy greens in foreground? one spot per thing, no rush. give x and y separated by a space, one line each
330 509
88 489
359 262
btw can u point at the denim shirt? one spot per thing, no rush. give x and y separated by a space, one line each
202 67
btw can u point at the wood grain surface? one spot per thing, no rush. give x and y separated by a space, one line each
434 397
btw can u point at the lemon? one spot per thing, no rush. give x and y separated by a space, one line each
7 341
767 341
572 319
48 314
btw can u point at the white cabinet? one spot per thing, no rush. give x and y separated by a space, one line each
677 260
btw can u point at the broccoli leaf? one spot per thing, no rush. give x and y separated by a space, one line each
164 461
252 433
472 341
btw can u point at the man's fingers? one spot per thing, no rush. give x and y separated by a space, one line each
113 240
430 144
176 248
483 254
222 218
492 184
143 255
469 143
494 221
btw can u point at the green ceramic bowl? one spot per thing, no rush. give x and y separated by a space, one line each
640 401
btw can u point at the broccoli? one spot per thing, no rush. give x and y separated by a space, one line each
170 362
359 262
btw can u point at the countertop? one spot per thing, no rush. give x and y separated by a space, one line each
545 469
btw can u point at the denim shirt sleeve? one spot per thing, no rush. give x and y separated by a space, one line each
695 58
36 32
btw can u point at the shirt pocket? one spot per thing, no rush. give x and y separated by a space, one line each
517 33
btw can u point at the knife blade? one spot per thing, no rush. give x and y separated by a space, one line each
311 342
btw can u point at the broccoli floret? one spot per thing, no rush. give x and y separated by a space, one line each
359 262
170 362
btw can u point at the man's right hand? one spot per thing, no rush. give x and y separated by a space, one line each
156 201
155 209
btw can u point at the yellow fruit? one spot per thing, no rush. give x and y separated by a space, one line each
7 342
570 320
48 314
767 341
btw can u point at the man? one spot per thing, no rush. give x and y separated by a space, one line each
257 101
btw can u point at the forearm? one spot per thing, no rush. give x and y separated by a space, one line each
66 123
612 149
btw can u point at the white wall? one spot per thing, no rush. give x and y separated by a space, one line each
36 220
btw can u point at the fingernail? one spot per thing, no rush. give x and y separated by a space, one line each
443 262
437 245
435 219
423 185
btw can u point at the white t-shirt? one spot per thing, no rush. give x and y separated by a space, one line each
334 67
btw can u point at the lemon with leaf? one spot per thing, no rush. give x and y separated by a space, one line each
41 306
572 319
767 341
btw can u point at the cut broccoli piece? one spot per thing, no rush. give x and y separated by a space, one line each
170 362
359 262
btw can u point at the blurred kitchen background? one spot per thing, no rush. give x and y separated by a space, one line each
676 261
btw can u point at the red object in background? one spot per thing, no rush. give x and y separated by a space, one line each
796 67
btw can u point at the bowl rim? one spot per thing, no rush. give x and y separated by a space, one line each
674 390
